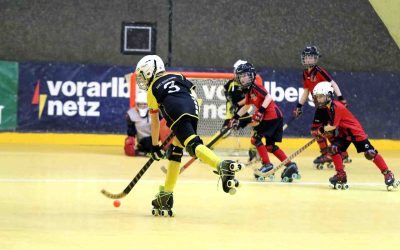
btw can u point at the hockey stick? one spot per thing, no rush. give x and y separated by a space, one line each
209 145
274 170
286 125
137 177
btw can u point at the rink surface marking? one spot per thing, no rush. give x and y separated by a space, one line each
197 182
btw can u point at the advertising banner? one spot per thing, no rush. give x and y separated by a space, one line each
372 98
94 98
8 95
72 98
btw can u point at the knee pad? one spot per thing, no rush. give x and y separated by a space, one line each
174 153
129 146
333 149
256 140
272 148
192 145
370 154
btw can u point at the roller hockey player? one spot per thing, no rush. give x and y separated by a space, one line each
138 141
174 95
235 98
312 75
269 118
335 121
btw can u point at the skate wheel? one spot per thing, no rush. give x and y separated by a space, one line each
261 178
155 212
164 213
271 177
320 166
345 186
330 165
237 184
232 191
295 176
332 186
338 186
389 188
235 166
285 179
171 213
230 183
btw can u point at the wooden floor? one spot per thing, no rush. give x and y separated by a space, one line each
50 199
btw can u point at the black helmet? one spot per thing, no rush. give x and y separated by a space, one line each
310 51
246 69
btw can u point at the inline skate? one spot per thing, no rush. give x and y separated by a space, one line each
163 203
290 172
339 181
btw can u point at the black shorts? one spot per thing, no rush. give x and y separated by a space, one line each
343 144
272 130
174 108
184 128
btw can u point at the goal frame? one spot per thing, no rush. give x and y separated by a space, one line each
131 78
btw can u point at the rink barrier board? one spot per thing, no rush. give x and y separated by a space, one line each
118 140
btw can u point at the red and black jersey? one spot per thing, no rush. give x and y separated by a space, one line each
256 96
316 75
340 117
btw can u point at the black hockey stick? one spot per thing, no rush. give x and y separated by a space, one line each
273 171
209 145
137 177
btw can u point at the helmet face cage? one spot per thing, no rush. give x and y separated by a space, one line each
147 68
142 109
323 89
245 74
141 81
309 56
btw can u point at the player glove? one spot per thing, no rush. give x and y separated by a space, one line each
343 101
317 132
258 115
330 131
234 122
157 153
298 111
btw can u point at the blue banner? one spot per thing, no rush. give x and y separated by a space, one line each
93 99
72 98
372 97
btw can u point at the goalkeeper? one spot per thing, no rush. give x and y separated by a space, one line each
138 121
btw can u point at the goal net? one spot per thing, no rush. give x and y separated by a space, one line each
210 88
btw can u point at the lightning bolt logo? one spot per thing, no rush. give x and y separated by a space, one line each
39 99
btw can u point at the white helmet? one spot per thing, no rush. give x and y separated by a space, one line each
147 68
323 88
141 97
237 63
141 103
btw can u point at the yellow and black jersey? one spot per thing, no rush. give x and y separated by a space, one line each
171 93
234 94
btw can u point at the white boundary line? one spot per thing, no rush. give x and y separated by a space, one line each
198 182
